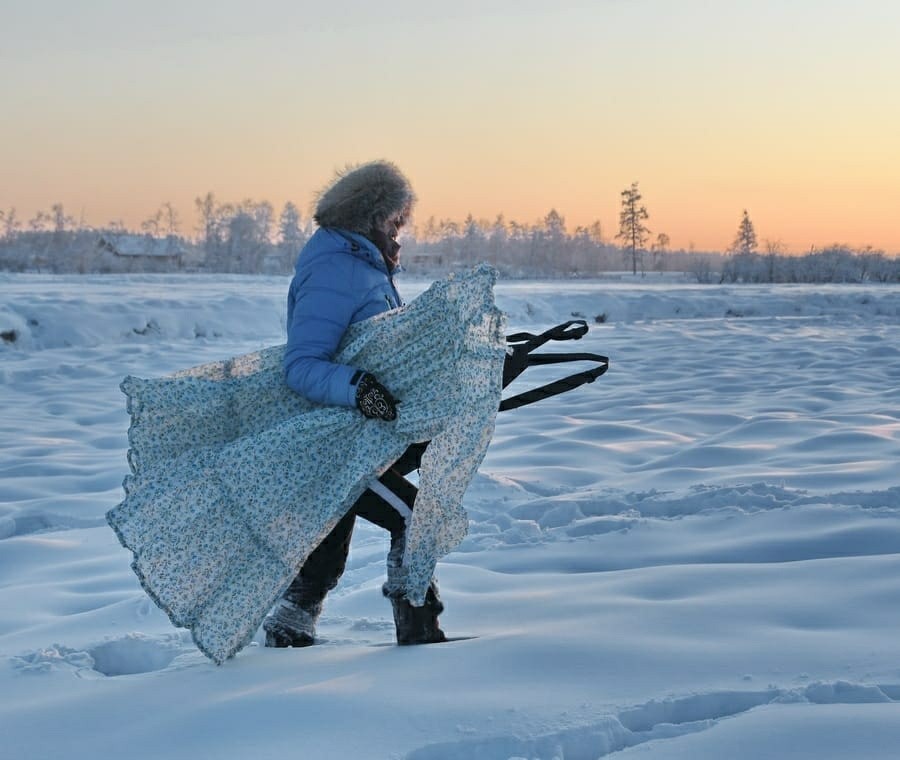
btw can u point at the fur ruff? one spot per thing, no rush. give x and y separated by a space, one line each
361 197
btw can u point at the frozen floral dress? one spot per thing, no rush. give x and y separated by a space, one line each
235 478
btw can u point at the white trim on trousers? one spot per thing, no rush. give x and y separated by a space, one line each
380 489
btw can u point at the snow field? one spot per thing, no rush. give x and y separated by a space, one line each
696 556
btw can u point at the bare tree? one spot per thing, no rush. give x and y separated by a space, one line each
171 223
10 222
659 249
518 231
208 228
40 221
153 224
60 220
774 251
631 228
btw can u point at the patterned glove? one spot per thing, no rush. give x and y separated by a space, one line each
374 400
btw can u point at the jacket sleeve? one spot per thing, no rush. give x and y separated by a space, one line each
323 304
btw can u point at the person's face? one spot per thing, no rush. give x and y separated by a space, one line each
391 226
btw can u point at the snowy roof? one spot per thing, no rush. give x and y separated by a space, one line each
140 245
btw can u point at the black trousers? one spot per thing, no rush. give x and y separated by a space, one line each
325 566
387 504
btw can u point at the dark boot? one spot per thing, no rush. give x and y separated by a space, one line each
419 625
292 625
293 621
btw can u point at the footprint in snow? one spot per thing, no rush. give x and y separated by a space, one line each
131 654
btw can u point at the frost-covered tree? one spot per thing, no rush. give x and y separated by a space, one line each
247 234
632 231
745 239
499 232
497 240
235 236
881 268
263 214
448 228
473 240
208 226
550 250
431 232
555 226
290 227
659 249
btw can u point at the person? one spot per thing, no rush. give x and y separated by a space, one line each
345 274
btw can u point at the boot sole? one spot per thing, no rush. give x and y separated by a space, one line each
279 642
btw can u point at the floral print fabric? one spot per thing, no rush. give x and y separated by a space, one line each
235 478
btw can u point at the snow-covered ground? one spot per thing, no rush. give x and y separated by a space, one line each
697 556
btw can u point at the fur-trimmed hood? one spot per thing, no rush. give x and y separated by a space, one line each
361 197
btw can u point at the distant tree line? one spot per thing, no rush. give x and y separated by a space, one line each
250 237
545 248
244 237
836 263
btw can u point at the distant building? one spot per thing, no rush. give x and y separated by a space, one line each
143 253
420 260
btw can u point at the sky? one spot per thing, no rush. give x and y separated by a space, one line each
789 109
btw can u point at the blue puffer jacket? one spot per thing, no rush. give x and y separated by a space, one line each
340 278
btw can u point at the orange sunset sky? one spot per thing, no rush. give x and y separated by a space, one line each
788 108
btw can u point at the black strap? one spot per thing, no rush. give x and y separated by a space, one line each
517 362
521 358
574 329
524 343
557 386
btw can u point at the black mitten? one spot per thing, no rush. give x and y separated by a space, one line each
374 400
